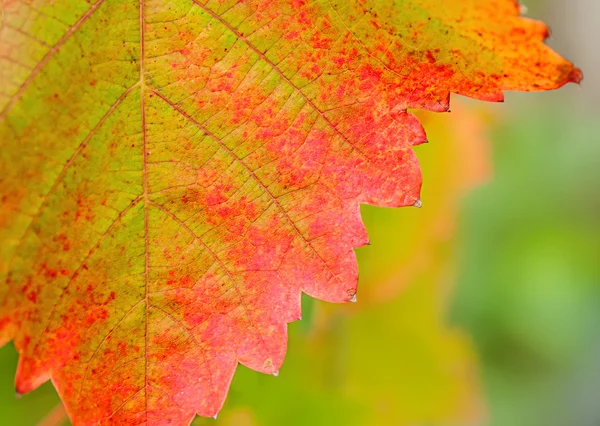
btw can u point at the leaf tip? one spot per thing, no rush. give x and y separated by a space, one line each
418 204
18 395
575 76
353 299
276 373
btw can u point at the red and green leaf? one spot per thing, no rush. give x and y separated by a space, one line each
175 174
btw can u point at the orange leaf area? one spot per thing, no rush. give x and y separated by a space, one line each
174 175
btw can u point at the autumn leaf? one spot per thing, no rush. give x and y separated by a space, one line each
175 174
390 359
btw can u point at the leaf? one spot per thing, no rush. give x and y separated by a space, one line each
391 358
175 174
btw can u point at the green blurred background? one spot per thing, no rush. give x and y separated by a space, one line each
481 308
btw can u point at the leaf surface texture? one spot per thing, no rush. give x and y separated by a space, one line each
175 174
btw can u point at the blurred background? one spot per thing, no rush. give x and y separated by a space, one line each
481 308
